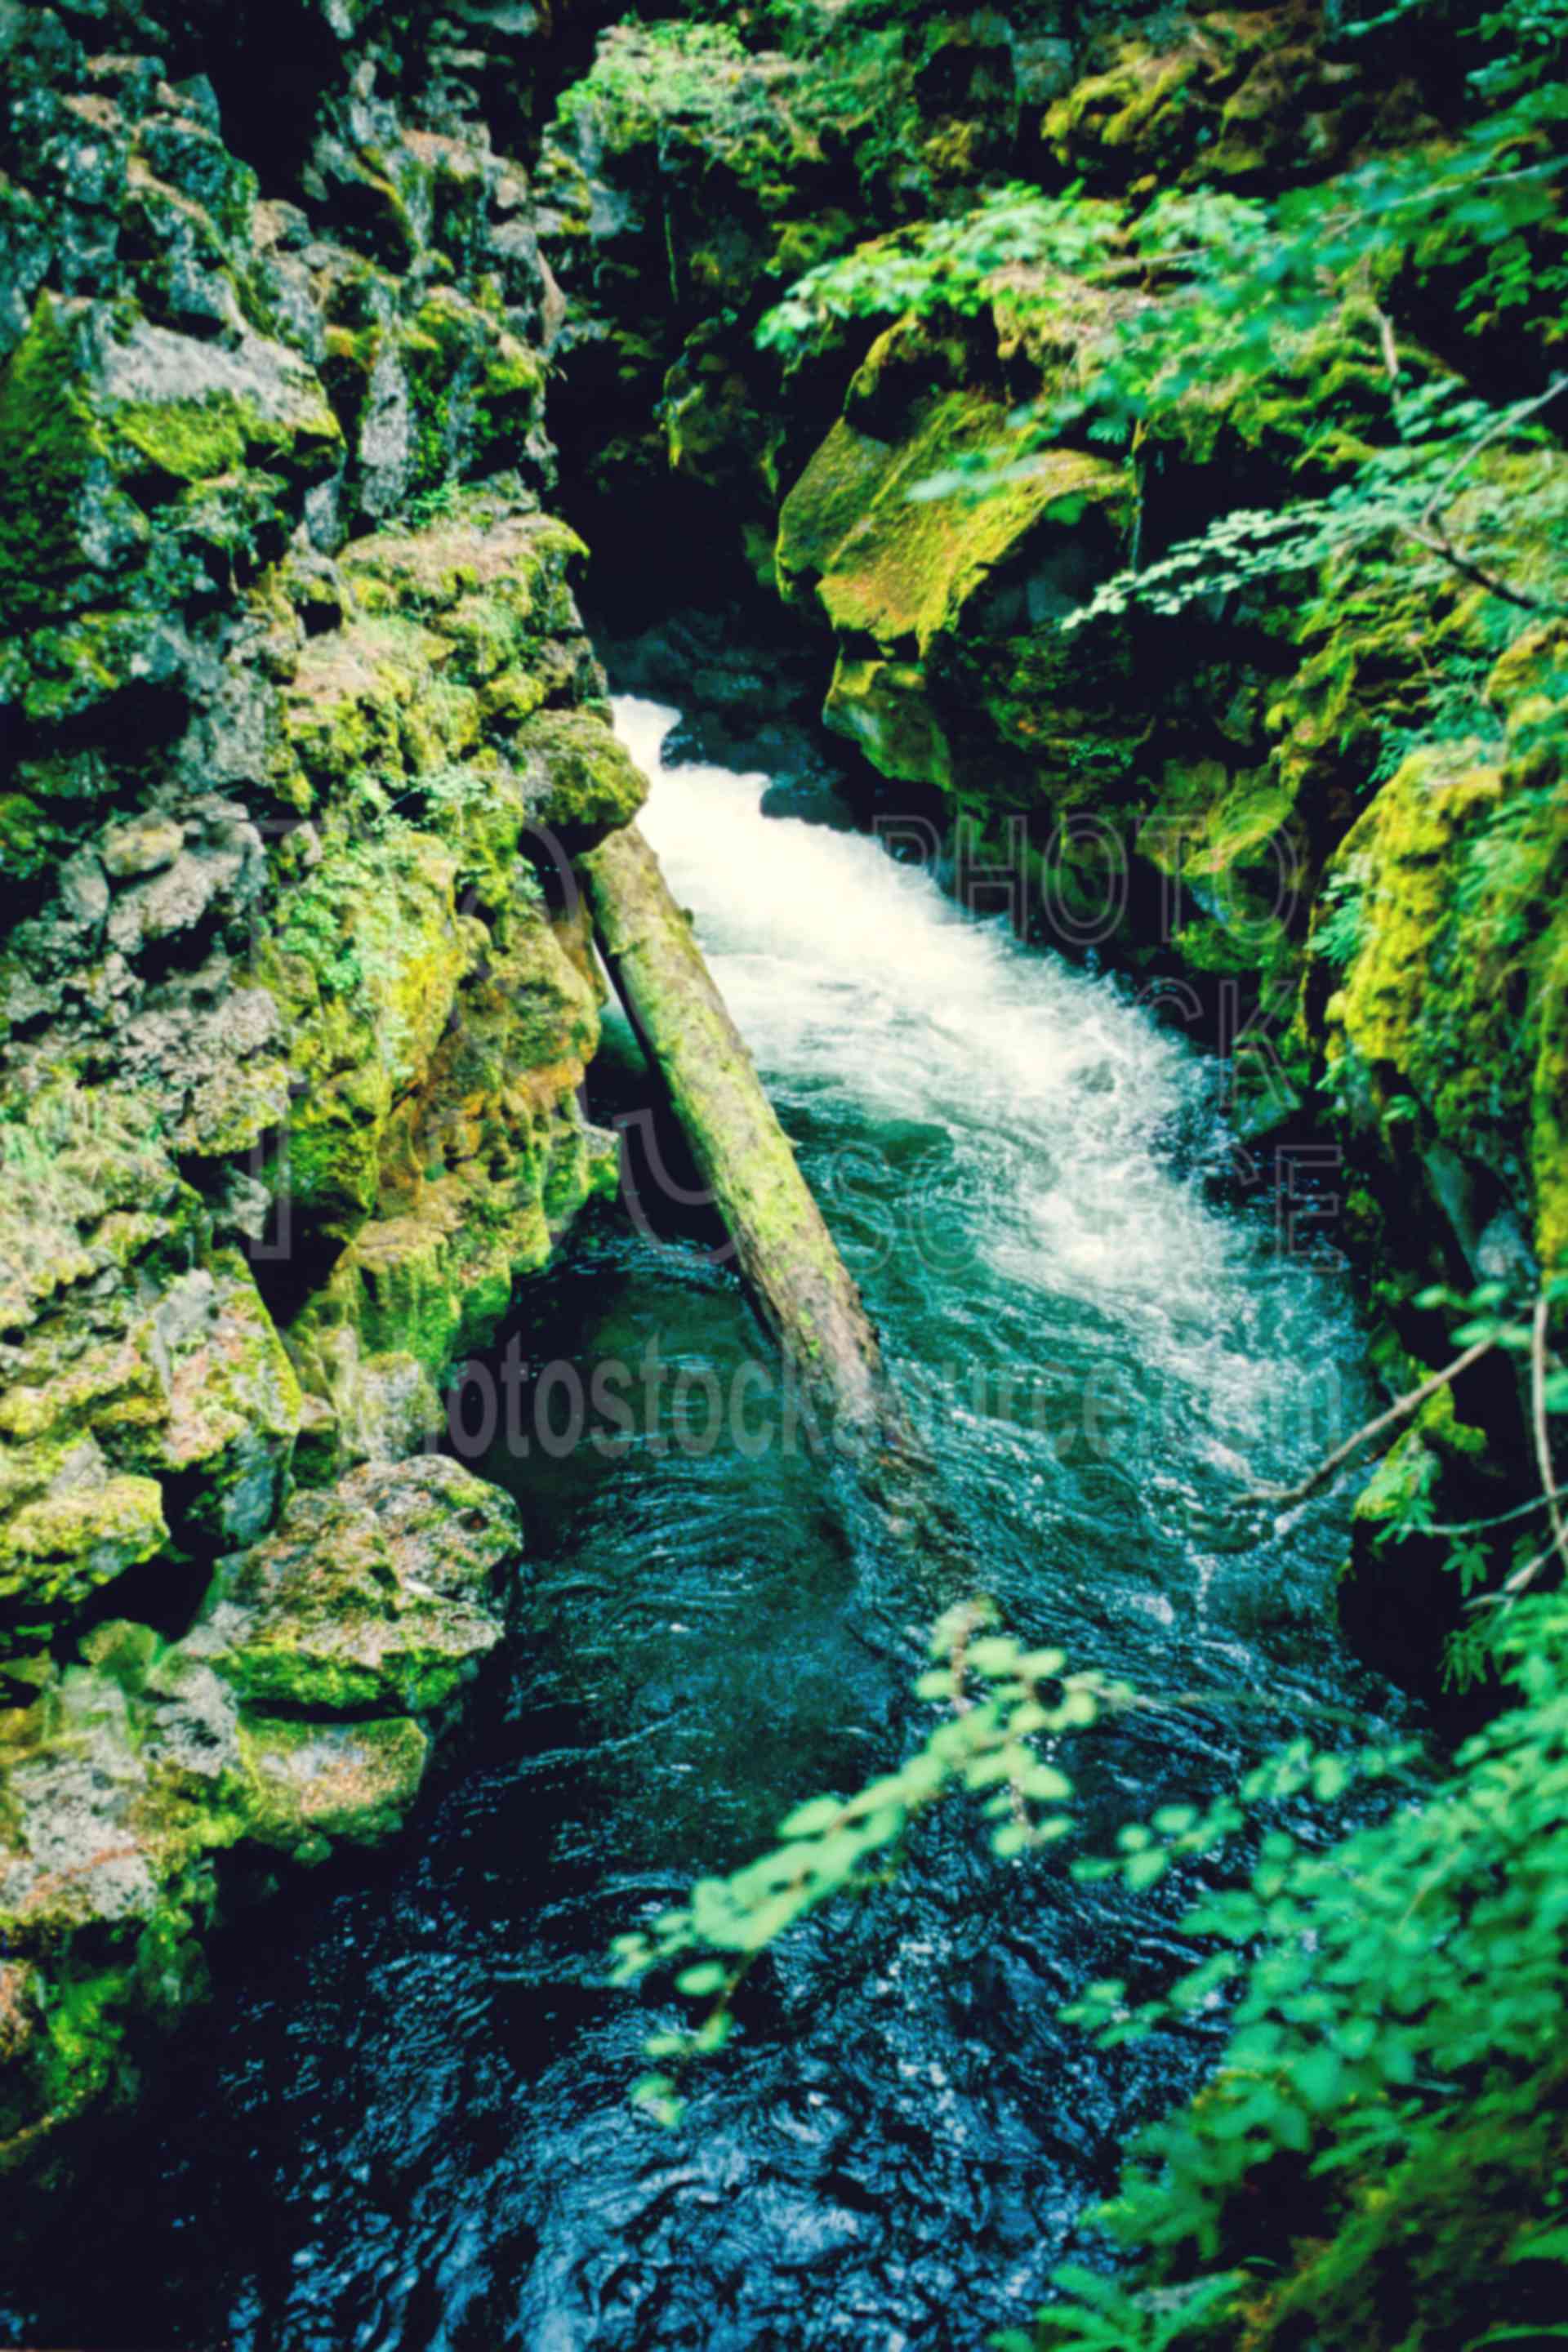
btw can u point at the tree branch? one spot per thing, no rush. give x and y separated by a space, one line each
1442 545
1502 1519
1286 1497
1390 348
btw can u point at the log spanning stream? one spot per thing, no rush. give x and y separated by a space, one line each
403 2122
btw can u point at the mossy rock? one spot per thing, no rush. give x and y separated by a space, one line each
884 708
899 569
365 970
52 449
311 1784
148 1400
56 1551
1229 98
127 1776
947 609
588 782
476 391
232 1404
1445 1031
1229 840
382 1595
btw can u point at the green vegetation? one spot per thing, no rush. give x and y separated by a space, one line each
1202 312
1165 423
1387 2131
677 69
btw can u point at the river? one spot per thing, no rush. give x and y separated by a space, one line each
402 2122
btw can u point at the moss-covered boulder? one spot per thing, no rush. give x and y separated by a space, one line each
1437 967
718 171
946 608
300 1712
1229 96
144 1404
301 728
312 1784
138 462
379 1596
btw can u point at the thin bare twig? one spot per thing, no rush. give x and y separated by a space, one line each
1510 1588
1436 541
1502 1519
1430 531
1390 348
1550 1493
1504 423
1285 1498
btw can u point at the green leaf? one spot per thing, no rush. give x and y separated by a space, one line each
818 1813
1174 1820
1528 2336
1547 2246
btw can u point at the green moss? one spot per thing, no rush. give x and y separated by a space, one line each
884 708
916 577
190 439
1450 1006
56 1551
49 446
230 1403
431 1286
476 389
1231 836
88 660
490 542
1137 103
273 418
1214 103
1549 1106
378 1598
85 2022
899 569
1404 843
310 1781
589 784
365 970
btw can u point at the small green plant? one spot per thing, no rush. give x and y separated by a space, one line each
1000 1698
661 70
1339 924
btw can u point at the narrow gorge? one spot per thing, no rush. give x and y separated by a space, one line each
784 859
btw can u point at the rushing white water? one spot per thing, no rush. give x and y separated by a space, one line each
1059 1101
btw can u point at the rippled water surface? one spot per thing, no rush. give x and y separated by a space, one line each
404 2123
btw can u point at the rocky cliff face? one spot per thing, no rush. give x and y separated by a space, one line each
301 731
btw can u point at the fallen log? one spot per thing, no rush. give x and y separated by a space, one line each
784 1251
